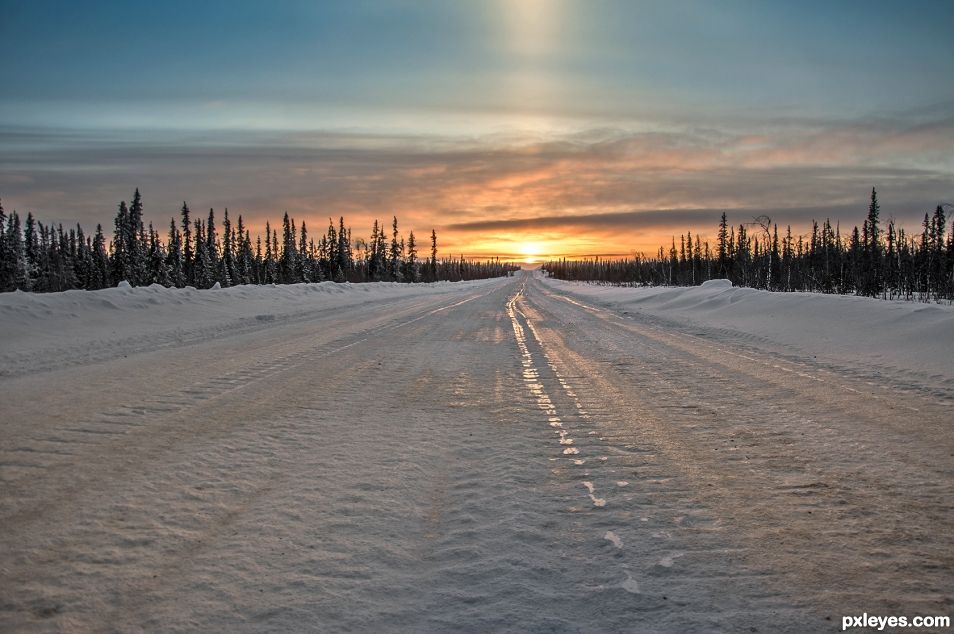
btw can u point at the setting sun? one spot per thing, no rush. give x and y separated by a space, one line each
530 252
531 315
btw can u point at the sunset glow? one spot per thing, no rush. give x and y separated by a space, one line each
530 252
524 130
476 315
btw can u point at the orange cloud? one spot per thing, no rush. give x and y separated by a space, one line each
598 191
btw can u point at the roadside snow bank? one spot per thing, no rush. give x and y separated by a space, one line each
714 284
844 329
77 322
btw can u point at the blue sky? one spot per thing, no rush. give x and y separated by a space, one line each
467 114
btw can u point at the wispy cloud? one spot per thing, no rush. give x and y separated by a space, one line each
620 185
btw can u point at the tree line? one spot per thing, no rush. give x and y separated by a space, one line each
873 261
197 252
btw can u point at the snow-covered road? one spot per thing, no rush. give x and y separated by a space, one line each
501 456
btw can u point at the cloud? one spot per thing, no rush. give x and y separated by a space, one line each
607 186
654 219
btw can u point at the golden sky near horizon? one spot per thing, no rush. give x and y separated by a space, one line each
525 130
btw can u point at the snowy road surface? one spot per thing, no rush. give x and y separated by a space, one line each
504 456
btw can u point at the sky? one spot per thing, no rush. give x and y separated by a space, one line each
516 128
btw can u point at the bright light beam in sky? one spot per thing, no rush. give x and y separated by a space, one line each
584 127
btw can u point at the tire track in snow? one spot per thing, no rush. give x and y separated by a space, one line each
532 380
659 542
815 463
692 343
400 486
710 362
582 413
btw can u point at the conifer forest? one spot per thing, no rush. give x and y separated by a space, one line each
533 316
875 261
195 252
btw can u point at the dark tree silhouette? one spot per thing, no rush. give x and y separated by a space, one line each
871 261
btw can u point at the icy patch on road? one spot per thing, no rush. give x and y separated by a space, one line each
531 378
597 501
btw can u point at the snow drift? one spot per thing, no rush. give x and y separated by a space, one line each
52 329
49 330
908 337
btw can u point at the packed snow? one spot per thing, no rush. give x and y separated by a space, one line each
41 331
516 454
898 338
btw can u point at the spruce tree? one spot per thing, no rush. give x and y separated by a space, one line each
20 273
67 263
433 262
394 267
270 269
275 257
100 276
288 265
204 276
949 268
158 270
331 255
723 246
212 248
872 248
304 271
375 257
345 259
6 255
188 254
31 243
938 255
119 264
244 261
258 273
175 260
410 270
136 246
227 271
83 259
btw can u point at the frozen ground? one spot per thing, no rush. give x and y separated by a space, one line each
893 338
512 455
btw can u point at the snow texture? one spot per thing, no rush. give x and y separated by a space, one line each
907 340
511 455
43 331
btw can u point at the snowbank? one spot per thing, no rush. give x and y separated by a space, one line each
85 325
907 336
